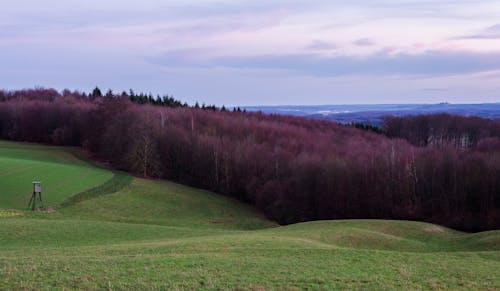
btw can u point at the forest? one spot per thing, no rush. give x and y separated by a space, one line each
440 168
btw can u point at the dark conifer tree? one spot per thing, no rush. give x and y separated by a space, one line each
96 92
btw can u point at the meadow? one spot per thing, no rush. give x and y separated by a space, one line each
113 231
61 173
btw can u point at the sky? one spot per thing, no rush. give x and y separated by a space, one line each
249 52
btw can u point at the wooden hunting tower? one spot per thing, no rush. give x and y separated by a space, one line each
37 191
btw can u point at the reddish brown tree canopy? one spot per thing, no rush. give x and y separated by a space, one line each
293 169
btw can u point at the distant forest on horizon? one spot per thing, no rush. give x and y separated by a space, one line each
438 168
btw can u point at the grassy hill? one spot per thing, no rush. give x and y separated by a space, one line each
61 173
120 232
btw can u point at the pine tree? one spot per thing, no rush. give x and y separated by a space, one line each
109 93
96 92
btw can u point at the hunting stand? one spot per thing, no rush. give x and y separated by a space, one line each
37 191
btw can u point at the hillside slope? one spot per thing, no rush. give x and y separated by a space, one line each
62 174
160 235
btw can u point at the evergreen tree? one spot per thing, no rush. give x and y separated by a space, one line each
109 93
96 92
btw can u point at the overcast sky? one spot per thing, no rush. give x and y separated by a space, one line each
258 52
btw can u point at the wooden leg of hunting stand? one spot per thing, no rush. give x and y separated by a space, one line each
31 201
40 196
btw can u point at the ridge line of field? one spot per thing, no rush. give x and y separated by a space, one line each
119 181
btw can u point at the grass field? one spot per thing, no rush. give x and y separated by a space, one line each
61 173
122 233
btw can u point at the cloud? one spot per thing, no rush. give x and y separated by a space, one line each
492 32
246 22
434 89
363 42
319 45
435 63
187 58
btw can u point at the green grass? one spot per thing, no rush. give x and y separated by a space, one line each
61 173
124 233
170 204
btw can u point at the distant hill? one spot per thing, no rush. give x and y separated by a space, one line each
372 113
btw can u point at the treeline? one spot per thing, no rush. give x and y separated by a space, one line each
293 169
440 130
365 126
139 98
